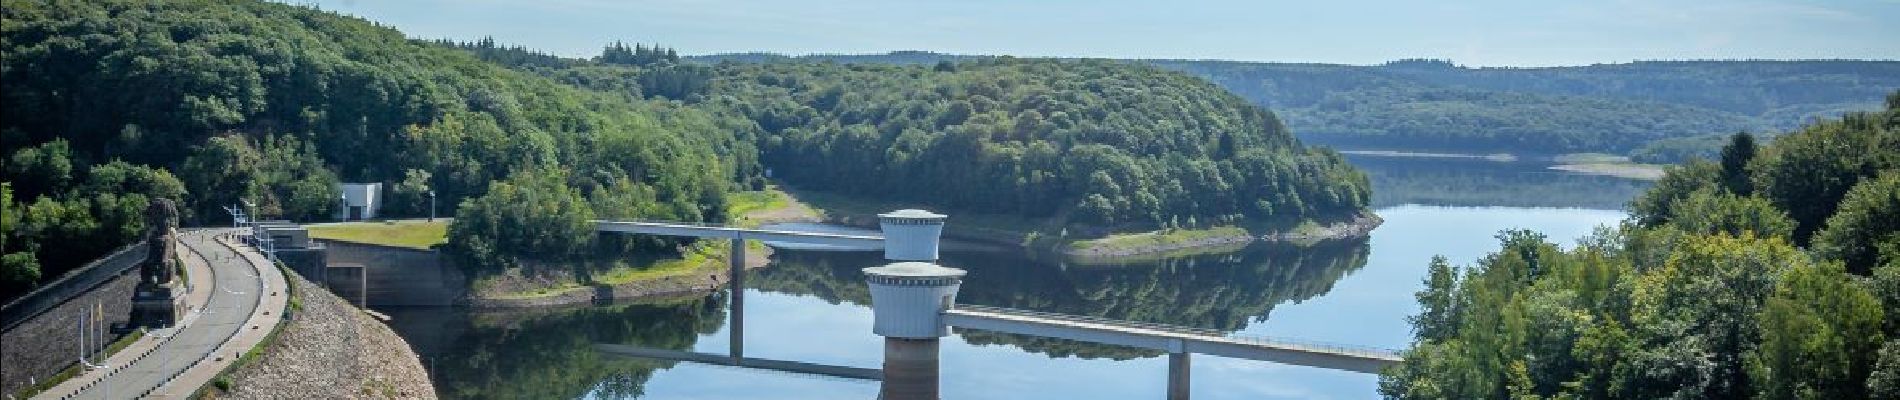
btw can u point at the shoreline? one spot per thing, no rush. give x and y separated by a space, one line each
706 277
713 273
1357 227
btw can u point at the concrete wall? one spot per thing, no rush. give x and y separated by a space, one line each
310 262
43 344
399 276
73 283
347 281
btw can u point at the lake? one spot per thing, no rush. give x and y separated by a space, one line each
810 306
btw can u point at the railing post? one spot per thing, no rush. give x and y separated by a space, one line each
736 319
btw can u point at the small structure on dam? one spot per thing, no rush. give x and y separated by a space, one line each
908 299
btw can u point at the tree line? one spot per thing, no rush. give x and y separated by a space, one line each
227 103
223 103
1772 272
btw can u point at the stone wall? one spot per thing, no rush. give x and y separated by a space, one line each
399 276
332 350
44 344
41 334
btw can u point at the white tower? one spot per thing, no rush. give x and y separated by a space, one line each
911 234
907 301
907 298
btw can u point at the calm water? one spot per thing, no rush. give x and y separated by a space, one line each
810 306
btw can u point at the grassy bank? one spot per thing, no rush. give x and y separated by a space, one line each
415 234
1124 244
702 258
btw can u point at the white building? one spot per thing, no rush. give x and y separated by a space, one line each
360 201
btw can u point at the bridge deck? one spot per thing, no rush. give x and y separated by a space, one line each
725 232
1173 339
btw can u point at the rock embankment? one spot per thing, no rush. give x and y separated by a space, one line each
331 350
1360 226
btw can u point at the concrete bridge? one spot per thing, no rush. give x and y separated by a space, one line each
914 304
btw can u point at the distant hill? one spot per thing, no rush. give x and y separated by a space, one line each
1437 105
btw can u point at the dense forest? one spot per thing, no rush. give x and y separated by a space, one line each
1773 272
112 103
1603 108
1436 105
1100 142
1089 143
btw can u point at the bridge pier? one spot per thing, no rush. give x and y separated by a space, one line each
736 318
1178 376
910 369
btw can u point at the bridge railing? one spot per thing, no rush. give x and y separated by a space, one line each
1211 334
1318 346
1187 330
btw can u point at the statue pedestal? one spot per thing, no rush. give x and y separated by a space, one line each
157 306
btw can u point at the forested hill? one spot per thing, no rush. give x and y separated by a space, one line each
110 103
1436 105
1099 145
1610 107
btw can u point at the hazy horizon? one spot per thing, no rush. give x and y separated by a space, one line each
1496 33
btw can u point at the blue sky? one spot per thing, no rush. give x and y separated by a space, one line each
1481 32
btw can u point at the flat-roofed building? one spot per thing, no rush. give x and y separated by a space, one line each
360 201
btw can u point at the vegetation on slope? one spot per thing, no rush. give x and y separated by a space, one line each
274 104
1772 275
1093 143
1436 105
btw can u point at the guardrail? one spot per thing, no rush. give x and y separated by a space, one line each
160 340
262 287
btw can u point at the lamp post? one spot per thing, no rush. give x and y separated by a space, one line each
431 206
251 219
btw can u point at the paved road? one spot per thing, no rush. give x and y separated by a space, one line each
235 294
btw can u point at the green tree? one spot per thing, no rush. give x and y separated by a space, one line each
1658 205
1820 337
1711 211
412 195
1735 157
39 170
532 216
1438 314
1869 216
1807 173
1884 382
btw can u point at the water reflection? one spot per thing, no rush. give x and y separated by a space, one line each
548 354
1477 182
540 354
1214 291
